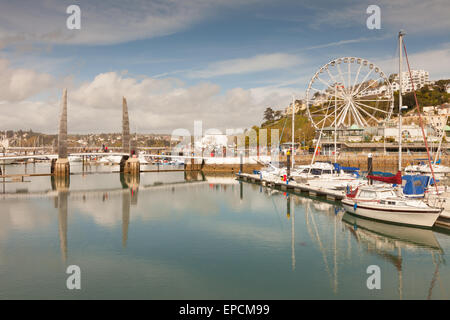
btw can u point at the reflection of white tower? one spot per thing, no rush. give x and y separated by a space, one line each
62 223
126 202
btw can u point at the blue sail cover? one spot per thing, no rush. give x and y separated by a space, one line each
338 168
383 174
416 184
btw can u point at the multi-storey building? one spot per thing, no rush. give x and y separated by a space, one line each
420 78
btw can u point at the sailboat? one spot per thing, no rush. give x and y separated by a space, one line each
387 203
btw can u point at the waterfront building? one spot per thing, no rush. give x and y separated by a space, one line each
420 78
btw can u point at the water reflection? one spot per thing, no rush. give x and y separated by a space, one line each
61 185
266 244
388 241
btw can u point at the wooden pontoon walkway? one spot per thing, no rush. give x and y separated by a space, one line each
335 195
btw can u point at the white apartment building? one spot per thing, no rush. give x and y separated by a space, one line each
376 91
420 78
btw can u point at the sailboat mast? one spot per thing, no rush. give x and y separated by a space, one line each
400 102
293 130
335 123
440 142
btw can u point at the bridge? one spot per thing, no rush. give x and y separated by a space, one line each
129 163
60 165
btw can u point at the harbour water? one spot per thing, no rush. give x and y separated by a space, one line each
188 236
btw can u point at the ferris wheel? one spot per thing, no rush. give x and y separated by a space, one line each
349 91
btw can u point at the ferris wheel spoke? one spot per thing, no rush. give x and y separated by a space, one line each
344 115
324 101
378 100
337 109
326 93
325 118
329 85
332 77
356 78
370 115
367 87
327 107
349 76
365 78
316 112
370 107
341 75
335 121
351 115
359 117
324 82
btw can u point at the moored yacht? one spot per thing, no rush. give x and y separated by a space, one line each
327 175
422 168
384 203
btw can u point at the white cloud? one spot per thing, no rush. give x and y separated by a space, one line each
20 84
256 63
436 62
343 42
102 22
155 105
416 16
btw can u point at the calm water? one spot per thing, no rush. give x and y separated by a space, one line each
171 236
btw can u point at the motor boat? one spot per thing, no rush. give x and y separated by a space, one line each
142 159
271 172
110 159
385 203
75 159
8 161
326 175
422 168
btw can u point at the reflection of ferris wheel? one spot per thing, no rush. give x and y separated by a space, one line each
349 91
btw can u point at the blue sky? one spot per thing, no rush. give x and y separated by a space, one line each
220 61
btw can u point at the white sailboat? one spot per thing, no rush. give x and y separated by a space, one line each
387 203
438 169
383 203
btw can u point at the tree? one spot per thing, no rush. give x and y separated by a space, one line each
442 85
268 114
278 114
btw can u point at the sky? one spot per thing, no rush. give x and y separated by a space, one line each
222 62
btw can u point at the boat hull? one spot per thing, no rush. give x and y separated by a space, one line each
413 217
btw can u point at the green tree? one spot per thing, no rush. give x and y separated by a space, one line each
269 114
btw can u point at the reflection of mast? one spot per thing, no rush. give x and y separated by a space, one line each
400 274
436 277
289 199
335 257
379 237
317 236
241 190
